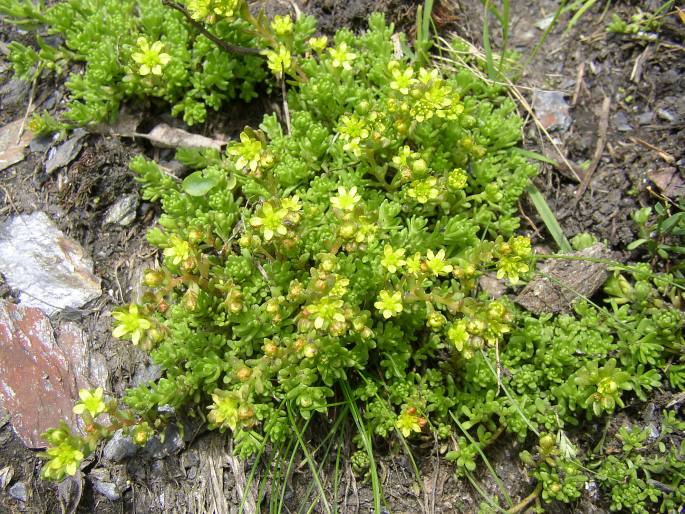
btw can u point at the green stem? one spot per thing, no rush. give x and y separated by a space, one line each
227 47
527 500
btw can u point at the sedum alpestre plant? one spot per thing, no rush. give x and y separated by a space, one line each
337 258
149 50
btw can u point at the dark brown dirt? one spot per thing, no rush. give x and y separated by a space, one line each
78 197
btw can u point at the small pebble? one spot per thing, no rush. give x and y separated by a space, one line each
118 448
123 212
107 489
18 492
665 115
545 22
620 122
645 118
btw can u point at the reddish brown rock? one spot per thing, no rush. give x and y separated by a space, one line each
39 377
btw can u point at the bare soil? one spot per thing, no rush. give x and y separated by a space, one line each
643 82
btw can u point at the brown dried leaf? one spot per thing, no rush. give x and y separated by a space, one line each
669 181
165 136
11 150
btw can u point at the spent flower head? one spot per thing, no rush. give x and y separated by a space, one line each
150 58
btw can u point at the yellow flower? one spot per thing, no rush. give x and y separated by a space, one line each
282 25
341 57
409 421
91 402
279 62
402 80
389 304
271 221
346 200
318 44
392 259
150 58
436 263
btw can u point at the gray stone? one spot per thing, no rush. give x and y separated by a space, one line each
123 212
50 270
172 444
620 122
666 115
552 110
645 118
19 492
119 447
111 481
107 489
15 93
63 154
6 475
145 373
40 143
544 23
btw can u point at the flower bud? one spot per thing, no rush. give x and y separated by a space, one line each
245 412
347 230
547 443
419 166
194 236
270 348
153 278
328 263
243 373
435 320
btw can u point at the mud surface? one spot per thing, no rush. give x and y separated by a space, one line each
193 470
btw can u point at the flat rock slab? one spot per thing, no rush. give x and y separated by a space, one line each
40 375
11 149
560 282
552 110
63 154
50 270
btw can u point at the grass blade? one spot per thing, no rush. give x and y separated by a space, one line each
310 461
368 447
486 42
497 479
548 218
